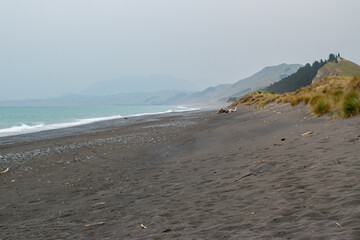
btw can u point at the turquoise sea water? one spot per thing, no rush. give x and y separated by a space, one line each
14 121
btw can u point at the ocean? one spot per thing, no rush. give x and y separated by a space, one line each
21 120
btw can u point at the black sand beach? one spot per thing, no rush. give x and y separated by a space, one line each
244 175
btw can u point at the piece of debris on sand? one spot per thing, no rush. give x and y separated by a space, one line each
5 171
227 110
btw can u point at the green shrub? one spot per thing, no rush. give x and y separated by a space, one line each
351 105
322 106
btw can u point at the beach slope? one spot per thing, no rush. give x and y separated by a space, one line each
251 174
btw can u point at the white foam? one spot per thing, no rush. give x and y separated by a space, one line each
24 128
185 109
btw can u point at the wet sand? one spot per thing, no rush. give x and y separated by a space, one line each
244 175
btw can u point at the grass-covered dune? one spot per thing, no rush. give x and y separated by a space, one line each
338 96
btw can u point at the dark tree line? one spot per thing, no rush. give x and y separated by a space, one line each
303 77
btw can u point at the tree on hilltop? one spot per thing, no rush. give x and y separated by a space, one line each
332 57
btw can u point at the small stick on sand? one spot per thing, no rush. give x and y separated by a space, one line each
5 171
143 226
260 161
238 179
100 203
307 133
93 224
338 224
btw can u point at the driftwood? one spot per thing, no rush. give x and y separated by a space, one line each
227 110
143 226
307 133
5 171
338 224
238 179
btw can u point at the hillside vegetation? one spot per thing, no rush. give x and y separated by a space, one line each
338 95
303 77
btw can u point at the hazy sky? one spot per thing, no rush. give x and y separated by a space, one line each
49 48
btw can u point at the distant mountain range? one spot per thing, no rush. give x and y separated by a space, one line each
220 93
125 84
110 92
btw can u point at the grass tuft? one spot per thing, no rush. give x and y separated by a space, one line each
351 105
321 107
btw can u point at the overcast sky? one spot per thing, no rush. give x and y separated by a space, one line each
48 48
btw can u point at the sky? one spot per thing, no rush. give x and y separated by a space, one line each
51 48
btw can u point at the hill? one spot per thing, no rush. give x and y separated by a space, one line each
334 66
342 67
221 93
266 76
303 77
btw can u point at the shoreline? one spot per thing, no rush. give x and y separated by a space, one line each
87 127
77 124
248 174
14 149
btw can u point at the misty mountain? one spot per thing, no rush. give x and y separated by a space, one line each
123 85
114 92
261 79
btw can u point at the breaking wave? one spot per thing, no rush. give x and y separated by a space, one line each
24 128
